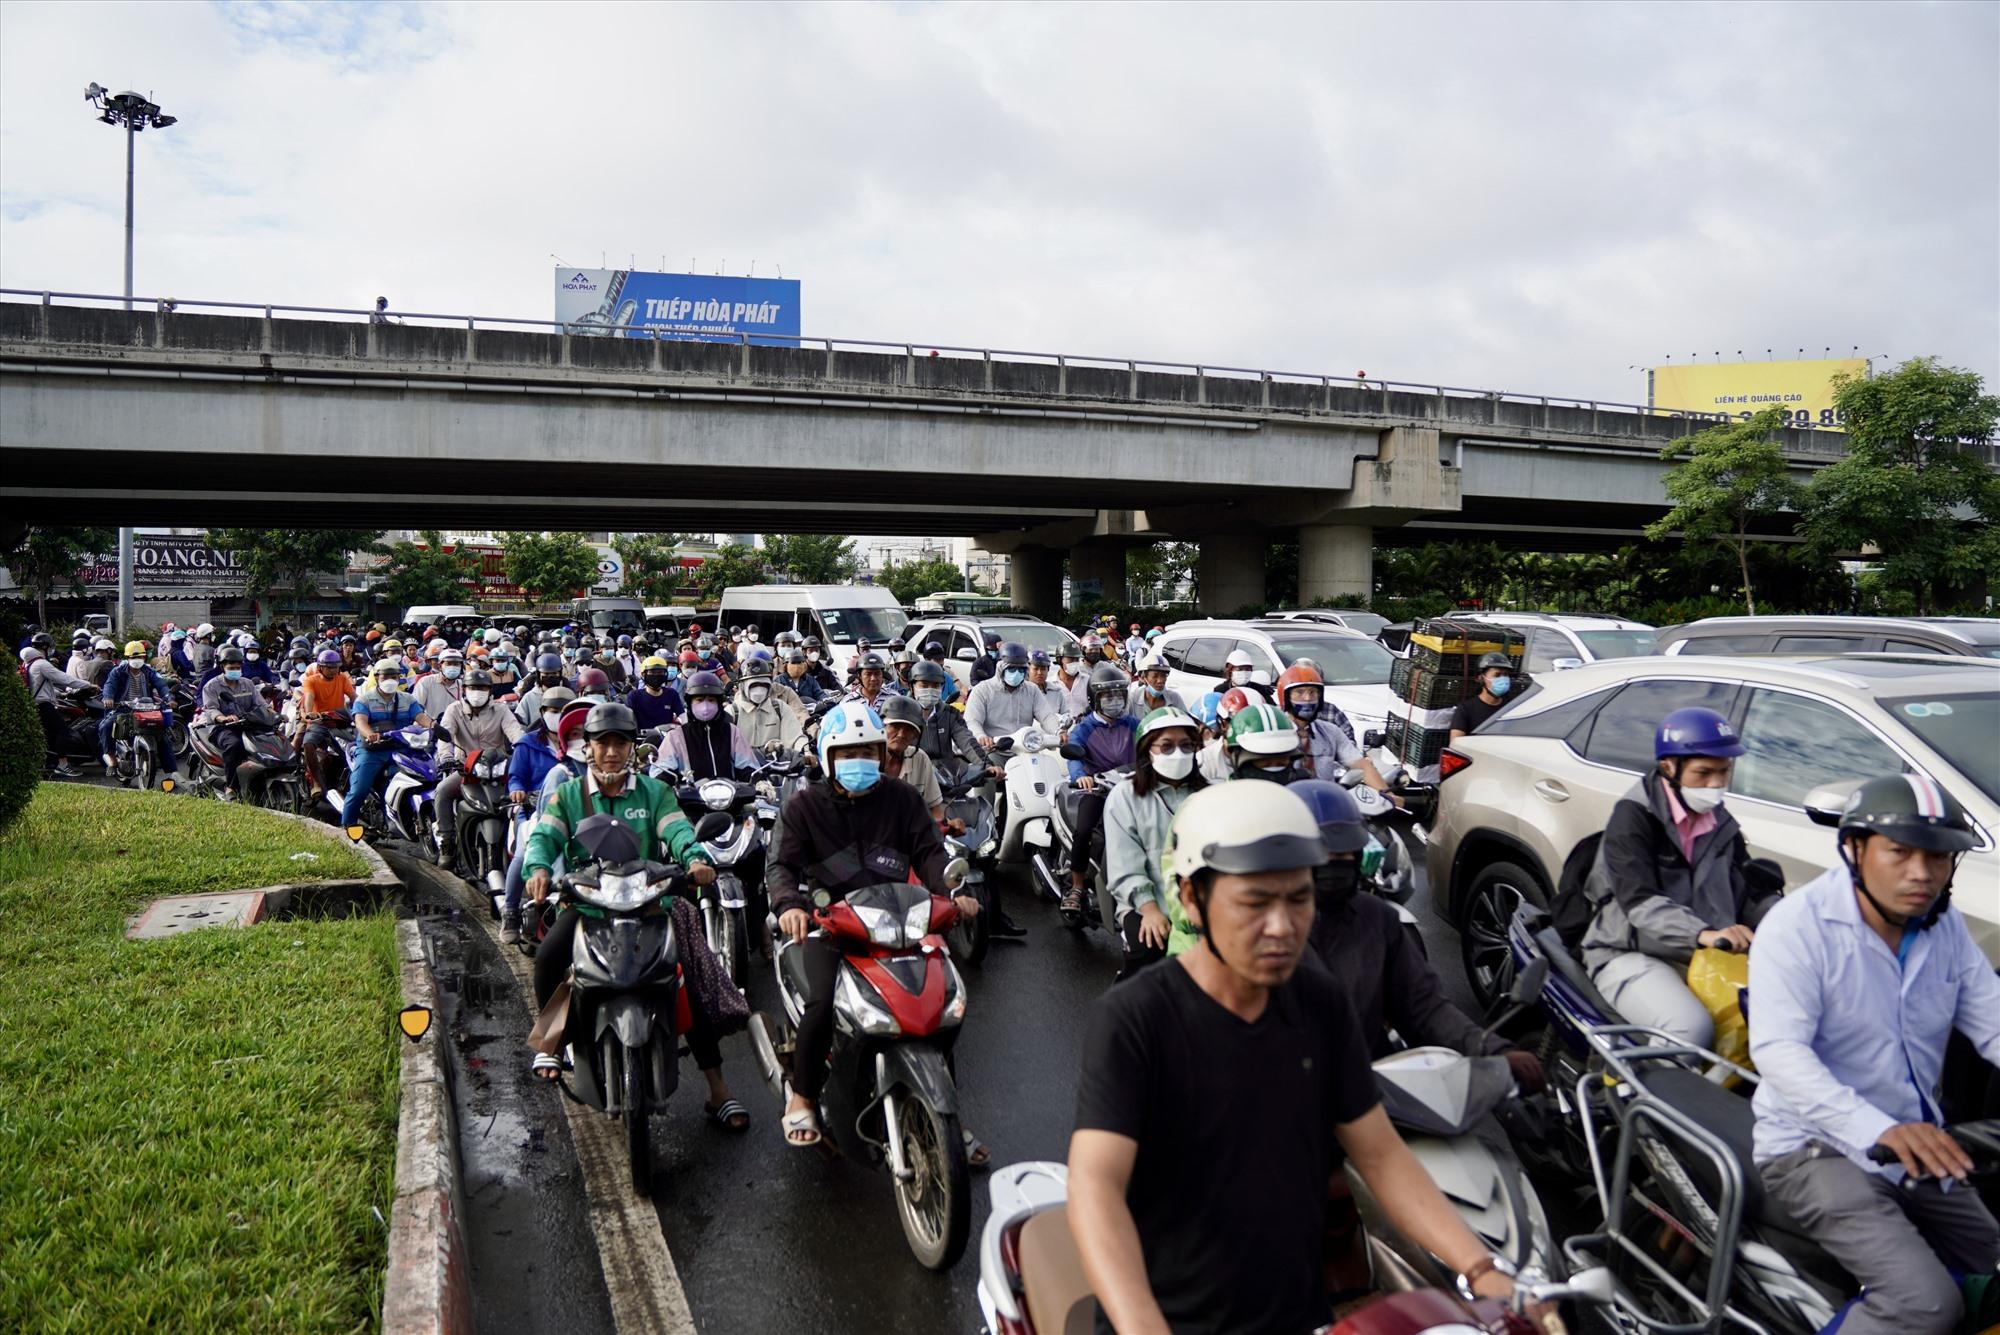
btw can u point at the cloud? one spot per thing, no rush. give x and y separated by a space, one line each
1524 197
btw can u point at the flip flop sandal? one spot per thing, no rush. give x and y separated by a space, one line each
731 1116
547 1067
977 1157
801 1129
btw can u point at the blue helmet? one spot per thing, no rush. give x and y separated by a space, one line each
1695 731
1039 658
1336 813
1014 655
549 663
1208 708
849 723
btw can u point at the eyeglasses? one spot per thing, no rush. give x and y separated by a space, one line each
1175 749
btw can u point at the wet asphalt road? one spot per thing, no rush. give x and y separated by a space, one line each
767 1237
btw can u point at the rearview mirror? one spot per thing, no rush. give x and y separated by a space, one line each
1565 664
607 839
1373 738
1528 981
954 873
966 655
1072 751
1825 803
713 826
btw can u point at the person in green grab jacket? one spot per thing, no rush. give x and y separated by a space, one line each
610 785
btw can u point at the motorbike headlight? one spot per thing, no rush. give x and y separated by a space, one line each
716 794
989 848
619 893
868 1013
884 928
1031 740
917 922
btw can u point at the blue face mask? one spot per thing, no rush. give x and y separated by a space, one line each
232 674
1501 685
857 776
451 672
1306 711
1014 676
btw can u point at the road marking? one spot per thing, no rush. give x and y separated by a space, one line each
639 1272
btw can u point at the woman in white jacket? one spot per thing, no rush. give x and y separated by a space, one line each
1137 817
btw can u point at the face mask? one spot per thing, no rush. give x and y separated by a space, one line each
928 696
812 655
1112 706
1699 800
232 674
251 658
750 635
550 720
857 776
1014 676
705 710
451 671
757 694
575 750
135 662
389 685
1305 712
550 679
1281 774
656 681
1501 685
1334 883
1174 766
1239 676
1093 655
478 699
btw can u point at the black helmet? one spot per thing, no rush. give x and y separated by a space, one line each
479 677
230 655
1108 679
991 637
610 717
756 666
40 640
902 709
1912 809
871 661
793 654
702 685
1013 655
927 673
812 642
1495 660
934 649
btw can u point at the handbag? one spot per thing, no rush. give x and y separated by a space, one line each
708 985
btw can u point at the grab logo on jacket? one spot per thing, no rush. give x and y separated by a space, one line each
635 813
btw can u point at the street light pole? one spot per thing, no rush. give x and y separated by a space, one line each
135 113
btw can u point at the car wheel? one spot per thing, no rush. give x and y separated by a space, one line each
1490 902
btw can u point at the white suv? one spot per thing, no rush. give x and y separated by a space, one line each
1557 640
964 639
1355 667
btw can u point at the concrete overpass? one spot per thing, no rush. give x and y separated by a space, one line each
161 415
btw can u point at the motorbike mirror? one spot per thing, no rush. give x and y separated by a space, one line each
1071 751
607 839
954 872
1003 744
821 899
1373 738
1528 981
713 826
1593 1285
1351 778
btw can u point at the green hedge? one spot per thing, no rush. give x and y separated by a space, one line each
21 746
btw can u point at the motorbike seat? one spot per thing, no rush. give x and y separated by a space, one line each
1053 1285
1729 1118
1572 971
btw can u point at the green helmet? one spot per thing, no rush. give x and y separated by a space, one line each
1261 730
1159 720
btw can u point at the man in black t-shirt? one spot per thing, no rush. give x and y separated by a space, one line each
1220 1094
1496 678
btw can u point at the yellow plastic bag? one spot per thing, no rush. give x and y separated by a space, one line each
1719 978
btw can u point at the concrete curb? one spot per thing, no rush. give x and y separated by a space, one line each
428 1287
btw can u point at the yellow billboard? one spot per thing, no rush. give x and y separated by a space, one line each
1739 390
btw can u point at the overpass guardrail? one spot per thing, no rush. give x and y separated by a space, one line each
946 367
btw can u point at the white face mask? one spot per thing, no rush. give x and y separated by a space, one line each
550 721
576 749
812 655
478 699
928 696
1174 766
1239 676
757 694
1699 800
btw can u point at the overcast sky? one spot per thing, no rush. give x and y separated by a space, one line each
1531 198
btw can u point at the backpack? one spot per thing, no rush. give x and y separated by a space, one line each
1572 909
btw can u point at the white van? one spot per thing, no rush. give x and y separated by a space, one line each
436 614
841 615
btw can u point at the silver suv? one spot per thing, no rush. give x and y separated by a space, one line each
1560 640
1521 795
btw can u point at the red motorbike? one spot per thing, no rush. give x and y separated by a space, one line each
889 1097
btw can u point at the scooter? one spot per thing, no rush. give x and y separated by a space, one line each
738 852
1393 878
966 799
1031 1279
626 1004
269 775
401 807
1068 804
889 1098
482 816
75 739
1034 775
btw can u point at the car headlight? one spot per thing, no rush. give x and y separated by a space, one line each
619 893
884 929
917 922
867 1012
716 794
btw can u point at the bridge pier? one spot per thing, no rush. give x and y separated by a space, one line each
1035 579
1229 573
1097 570
1336 562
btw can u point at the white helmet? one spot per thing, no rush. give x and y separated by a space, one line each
1153 661
203 631
850 723
1239 658
492 635
1243 827
103 642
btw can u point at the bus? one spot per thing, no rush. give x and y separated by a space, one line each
963 604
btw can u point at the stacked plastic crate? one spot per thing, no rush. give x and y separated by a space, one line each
1441 669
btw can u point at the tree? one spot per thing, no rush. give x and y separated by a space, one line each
733 564
46 560
1157 572
1726 479
912 580
1908 486
549 566
424 572
653 572
289 560
812 558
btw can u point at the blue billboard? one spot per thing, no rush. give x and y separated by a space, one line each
630 303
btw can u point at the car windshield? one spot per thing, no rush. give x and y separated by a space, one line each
1033 634
1365 622
1961 728
877 625
1617 643
619 621
1341 659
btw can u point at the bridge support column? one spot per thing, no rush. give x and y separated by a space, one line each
1035 578
1097 570
1337 562
1229 573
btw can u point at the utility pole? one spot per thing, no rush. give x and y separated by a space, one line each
135 113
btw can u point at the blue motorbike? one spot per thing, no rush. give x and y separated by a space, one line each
400 805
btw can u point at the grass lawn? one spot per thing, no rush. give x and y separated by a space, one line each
194 1133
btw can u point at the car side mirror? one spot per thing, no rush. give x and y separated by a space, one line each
1565 664
713 826
967 655
1825 803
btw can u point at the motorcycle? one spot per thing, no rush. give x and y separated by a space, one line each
889 1098
269 776
77 712
966 799
482 817
739 853
1034 775
1449 1110
1031 1279
401 807
1069 800
139 745
339 724
626 1004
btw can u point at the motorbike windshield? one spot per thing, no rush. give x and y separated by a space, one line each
895 914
